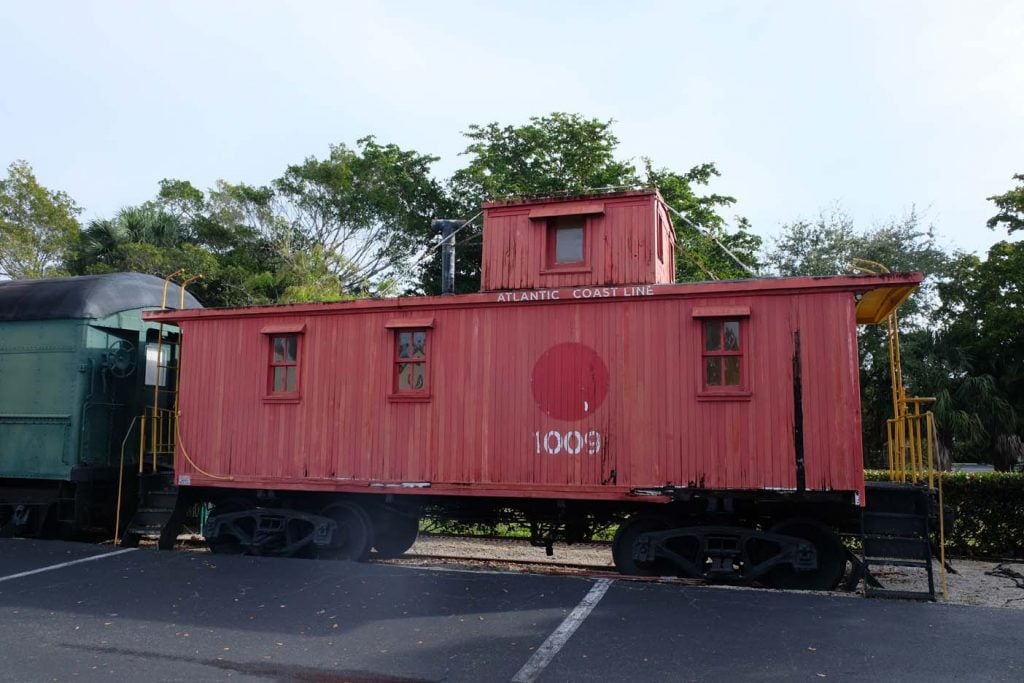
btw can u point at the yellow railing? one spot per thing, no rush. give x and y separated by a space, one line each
160 425
911 448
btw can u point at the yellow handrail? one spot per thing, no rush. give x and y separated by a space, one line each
909 432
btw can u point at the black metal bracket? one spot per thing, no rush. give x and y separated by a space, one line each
726 553
271 531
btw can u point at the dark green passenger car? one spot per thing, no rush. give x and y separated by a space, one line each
77 366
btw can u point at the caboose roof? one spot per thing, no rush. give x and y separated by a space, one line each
569 199
879 296
84 297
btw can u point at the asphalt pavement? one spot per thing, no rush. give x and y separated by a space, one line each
85 615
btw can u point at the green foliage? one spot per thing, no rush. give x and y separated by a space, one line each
969 409
825 246
311 279
983 316
327 229
103 240
38 227
697 254
368 210
142 239
829 245
988 509
551 155
241 227
182 229
563 153
1011 207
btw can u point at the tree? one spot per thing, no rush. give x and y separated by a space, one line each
38 227
551 155
983 306
327 229
829 245
825 246
1011 207
702 233
142 239
366 210
969 409
259 256
564 154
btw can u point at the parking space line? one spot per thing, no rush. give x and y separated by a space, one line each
560 636
65 564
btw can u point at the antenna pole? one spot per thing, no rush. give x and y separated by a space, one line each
448 229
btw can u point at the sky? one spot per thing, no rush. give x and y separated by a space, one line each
877 108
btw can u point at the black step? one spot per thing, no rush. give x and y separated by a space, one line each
899 594
876 547
889 562
895 533
161 498
896 498
162 477
151 516
895 524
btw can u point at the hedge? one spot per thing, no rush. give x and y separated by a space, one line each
989 509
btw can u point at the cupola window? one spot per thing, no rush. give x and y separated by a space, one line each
566 241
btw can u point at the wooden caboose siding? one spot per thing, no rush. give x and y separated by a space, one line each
477 435
620 245
831 390
665 269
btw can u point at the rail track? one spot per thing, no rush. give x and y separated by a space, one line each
418 558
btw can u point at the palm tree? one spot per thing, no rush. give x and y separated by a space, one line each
972 416
104 241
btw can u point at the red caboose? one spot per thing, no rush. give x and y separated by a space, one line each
581 384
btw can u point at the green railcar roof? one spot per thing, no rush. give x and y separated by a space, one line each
86 296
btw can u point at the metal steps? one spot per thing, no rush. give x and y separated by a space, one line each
159 515
895 532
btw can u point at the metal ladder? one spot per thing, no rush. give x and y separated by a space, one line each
159 513
895 531
895 525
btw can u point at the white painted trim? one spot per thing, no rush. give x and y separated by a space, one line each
65 564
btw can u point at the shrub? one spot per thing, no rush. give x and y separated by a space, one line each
989 509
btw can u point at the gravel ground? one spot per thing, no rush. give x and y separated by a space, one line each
989 584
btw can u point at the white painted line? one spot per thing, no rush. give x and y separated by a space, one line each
561 635
65 564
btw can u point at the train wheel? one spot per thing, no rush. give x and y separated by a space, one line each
394 533
354 535
831 558
228 543
626 537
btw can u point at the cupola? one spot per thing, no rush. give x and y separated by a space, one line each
623 238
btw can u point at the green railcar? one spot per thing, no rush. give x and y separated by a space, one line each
77 367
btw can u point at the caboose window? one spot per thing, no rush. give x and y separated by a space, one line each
723 354
284 364
566 241
411 359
